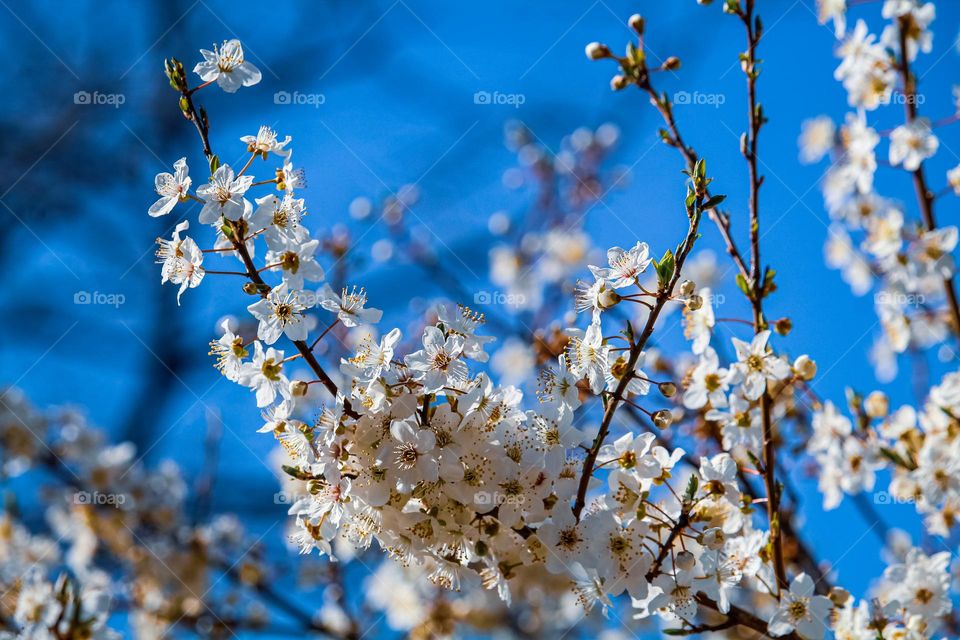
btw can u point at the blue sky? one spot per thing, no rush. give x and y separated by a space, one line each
398 81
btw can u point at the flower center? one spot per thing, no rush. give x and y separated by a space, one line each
711 381
568 538
441 360
797 609
407 455
270 370
290 261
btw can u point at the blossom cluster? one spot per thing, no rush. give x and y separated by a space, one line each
919 447
117 528
422 453
907 263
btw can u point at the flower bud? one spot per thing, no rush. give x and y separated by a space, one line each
299 388
672 63
953 179
618 82
804 367
597 51
636 23
783 326
250 288
839 596
694 302
704 2
608 299
713 538
668 389
877 404
685 561
662 418
688 288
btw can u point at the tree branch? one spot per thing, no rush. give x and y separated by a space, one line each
202 124
663 296
925 196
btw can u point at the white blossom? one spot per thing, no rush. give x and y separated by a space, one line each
172 188
226 65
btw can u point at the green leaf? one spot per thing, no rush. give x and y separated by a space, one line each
665 268
743 285
713 202
692 485
896 459
768 284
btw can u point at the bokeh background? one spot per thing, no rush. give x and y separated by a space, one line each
388 97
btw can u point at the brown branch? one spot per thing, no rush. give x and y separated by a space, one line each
667 545
743 618
925 196
202 124
758 284
663 296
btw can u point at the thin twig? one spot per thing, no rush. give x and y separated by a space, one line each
636 349
200 121
758 285
924 195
